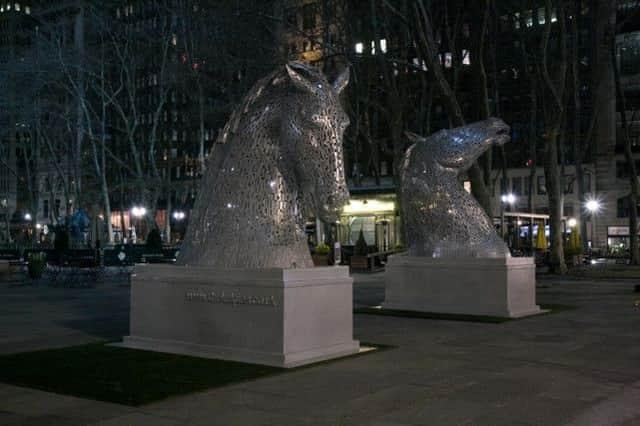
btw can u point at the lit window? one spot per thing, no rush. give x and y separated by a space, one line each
174 40
528 18
541 16
27 10
448 60
554 17
1 9
373 47
466 57
8 6
17 7
383 45
516 20
420 64
359 48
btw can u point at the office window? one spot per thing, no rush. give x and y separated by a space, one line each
528 18
622 170
623 207
383 45
587 182
359 48
542 187
466 57
541 16
448 60
568 184
630 56
516 185
568 209
309 12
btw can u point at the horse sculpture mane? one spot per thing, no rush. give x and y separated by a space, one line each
277 160
441 218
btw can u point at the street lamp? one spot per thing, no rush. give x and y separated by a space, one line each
593 206
509 199
138 212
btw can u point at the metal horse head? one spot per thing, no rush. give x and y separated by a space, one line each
278 159
441 218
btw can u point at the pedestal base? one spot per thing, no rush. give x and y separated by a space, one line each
495 287
278 317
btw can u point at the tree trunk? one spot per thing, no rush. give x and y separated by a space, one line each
555 193
634 196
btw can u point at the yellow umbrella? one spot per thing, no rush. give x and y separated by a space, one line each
575 242
541 239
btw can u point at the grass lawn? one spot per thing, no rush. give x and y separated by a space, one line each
120 375
129 376
455 317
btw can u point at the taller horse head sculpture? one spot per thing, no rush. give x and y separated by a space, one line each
277 161
441 218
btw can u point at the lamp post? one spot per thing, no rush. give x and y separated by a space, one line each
509 200
138 212
593 206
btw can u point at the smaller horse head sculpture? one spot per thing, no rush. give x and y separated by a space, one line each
441 218
278 160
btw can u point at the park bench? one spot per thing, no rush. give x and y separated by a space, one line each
372 261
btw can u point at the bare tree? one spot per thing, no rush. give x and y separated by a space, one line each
634 183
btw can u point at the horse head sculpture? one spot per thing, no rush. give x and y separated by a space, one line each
441 218
277 161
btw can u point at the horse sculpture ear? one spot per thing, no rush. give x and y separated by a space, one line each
295 71
341 81
413 137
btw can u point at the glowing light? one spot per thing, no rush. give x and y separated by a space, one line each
593 205
509 198
28 216
178 215
138 211
368 206
572 222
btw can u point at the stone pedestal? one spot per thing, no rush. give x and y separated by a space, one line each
503 287
279 317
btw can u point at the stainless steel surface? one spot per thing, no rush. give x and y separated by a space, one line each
441 218
278 160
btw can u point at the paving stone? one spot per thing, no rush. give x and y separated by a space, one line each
571 367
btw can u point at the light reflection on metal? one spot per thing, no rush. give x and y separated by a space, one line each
278 160
441 218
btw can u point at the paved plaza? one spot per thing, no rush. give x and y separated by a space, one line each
578 366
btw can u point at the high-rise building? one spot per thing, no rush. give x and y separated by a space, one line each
16 36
